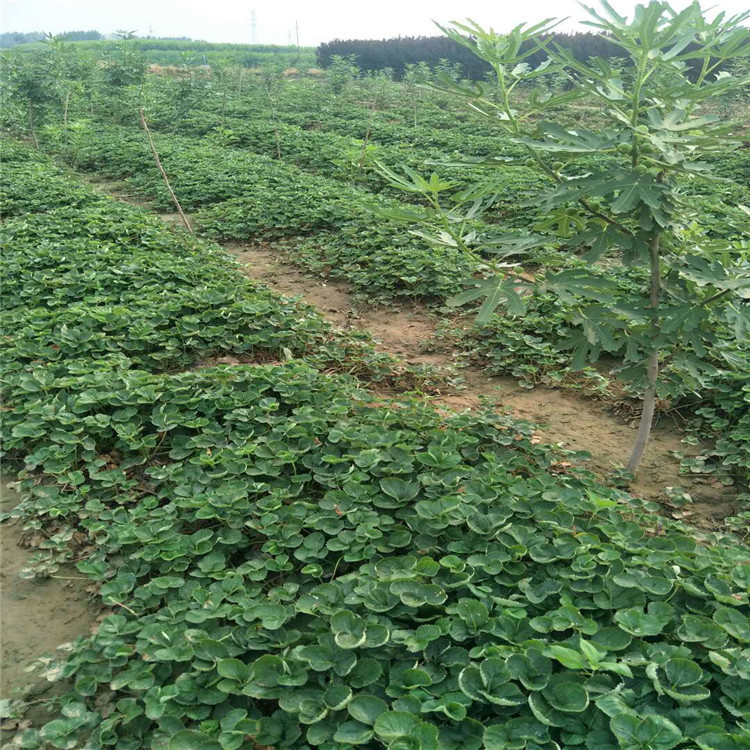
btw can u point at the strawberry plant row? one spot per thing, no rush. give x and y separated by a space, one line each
284 563
334 234
100 279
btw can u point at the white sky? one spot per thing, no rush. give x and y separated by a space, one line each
319 20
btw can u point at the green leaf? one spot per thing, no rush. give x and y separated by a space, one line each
651 733
336 697
495 290
390 725
353 733
681 672
734 622
191 740
633 620
398 489
473 613
233 669
415 678
366 708
568 657
569 697
701 629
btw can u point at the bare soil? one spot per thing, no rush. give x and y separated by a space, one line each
36 616
564 417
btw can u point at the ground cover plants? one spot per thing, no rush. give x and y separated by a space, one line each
286 556
332 234
294 566
247 196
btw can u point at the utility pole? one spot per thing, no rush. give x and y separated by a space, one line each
253 28
296 28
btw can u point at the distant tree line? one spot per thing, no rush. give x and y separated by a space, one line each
376 54
172 51
10 39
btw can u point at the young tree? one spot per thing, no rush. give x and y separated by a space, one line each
416 75
341 71
30 83
121 78
621 187
70 70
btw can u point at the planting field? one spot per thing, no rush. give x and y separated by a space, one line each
341 458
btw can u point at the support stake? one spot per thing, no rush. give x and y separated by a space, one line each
164 174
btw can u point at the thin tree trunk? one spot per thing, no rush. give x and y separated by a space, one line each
65 109
278 140
366 141
31 125
276 132
223 106
164 174
652 367
275 124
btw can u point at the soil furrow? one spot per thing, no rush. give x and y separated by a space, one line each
577 422
564 417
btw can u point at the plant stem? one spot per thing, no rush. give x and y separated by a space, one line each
163 173
363 155
31 125
125 607
65 109
714 297
652 365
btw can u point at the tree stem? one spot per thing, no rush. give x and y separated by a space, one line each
652 366
164 174
65 109
31 125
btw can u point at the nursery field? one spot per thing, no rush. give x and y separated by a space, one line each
319 396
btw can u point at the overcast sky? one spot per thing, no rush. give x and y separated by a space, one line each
319 20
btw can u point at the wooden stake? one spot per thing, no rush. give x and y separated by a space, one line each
164 174
31 125
65 109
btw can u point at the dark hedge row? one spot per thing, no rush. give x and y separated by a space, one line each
375 54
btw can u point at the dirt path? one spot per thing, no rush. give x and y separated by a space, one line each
564 417
577 422
36 616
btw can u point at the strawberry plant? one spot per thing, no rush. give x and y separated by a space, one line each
303 570
285 561
73 288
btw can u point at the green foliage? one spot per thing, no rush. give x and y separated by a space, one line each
341 71
307 572
74 288
31 186
276 201
443 54
172 52
287 563
528 347
383 258
631 205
